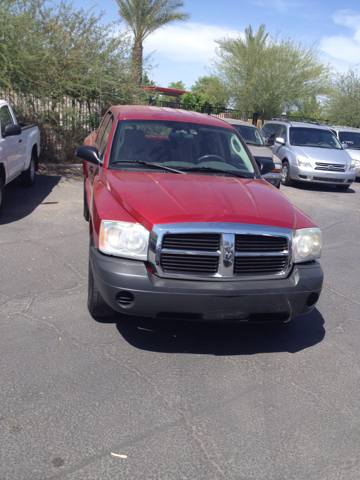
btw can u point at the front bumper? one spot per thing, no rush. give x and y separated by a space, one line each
305 174
146 294
273 178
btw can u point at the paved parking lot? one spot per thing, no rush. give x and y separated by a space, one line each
175 400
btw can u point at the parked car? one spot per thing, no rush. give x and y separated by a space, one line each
309 152
19 150
349 137
183 226
257 148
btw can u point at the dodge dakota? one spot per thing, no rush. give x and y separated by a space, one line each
182 226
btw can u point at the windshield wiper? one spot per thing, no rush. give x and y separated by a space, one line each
149 164
215 170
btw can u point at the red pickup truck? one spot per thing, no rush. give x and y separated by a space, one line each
182 226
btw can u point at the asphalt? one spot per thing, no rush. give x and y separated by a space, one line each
176 400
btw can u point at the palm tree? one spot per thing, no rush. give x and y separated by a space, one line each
146 16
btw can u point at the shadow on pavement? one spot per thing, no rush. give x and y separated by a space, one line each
20 201
171 336
318 187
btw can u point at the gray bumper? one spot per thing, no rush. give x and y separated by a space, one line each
304 174
240 300
273 178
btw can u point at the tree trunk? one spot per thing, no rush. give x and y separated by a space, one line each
137 60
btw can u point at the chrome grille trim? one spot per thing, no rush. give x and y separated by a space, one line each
226 254
330 167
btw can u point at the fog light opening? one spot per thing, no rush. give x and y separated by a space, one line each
312 299
125 299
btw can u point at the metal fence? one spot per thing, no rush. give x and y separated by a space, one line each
64 123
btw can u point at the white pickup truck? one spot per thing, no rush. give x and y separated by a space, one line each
19 150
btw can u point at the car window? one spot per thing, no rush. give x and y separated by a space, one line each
282 132
351 138
251 135
105 137
101 129
5 118
179 145
313 137
268 131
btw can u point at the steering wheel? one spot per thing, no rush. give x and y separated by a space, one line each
205 157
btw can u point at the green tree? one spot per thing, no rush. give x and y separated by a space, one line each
212 89
144 17
343 103
268 74
54 50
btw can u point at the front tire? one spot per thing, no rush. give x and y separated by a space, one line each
285 174
28 175
2 193
97 306
86 212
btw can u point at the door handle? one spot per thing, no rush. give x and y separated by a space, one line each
20 141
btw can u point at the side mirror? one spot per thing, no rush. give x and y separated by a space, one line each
345 145
266 165
11 130
280 140
89 154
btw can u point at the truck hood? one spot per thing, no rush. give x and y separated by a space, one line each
263 152
157 198
354 153
326 155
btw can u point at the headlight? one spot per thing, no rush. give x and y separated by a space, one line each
303 162
307 243
352 165
124 239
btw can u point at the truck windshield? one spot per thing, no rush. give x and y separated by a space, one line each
179 145
313 137
251 135
351 138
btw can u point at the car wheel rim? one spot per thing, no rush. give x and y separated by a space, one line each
284 173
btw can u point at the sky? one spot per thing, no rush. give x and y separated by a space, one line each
183 50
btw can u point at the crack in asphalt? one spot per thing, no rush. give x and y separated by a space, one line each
187 422
341 295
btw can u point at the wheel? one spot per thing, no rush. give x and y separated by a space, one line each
342 187
28 176
96 304
2 193
86 206
285 174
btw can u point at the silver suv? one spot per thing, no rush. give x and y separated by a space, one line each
349 137
309 152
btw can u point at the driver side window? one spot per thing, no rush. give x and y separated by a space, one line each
5 119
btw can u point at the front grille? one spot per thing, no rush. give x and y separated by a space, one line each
331 180
223 250
330 167
191 264
260 243
251 265
196 241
